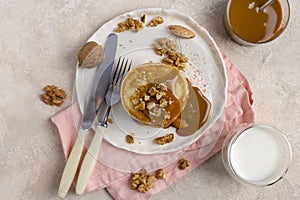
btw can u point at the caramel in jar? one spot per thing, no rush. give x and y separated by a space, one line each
244 19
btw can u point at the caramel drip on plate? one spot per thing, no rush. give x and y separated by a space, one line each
195 113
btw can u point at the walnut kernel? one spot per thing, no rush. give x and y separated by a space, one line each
143 99
183 163
168 49
150 105
141 106
176 59
163 45
132 24
141 181
160 174
109 120
156 21
53 95
165 139
129 139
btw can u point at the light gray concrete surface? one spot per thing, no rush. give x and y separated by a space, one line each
39 41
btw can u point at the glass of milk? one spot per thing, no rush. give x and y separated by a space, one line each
257 155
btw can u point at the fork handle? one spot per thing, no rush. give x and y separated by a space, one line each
72 164
90 160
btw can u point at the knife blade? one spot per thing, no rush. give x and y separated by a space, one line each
97 92
100 83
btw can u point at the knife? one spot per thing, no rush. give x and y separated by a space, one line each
102 77
111 98
91 156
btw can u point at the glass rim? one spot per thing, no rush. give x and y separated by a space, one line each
256 43
274 131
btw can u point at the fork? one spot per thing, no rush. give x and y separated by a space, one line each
113 94
112 97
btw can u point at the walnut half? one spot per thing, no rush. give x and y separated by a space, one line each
141 181
183 163
160 174
53 95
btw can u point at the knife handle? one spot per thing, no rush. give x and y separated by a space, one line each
90 160
72 164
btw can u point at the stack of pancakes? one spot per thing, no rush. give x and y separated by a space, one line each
150 74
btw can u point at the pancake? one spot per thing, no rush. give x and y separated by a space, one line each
154 94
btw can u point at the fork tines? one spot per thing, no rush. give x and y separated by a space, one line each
123 66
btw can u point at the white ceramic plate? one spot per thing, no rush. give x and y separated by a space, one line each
205 69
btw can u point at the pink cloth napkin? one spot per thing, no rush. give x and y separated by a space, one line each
238 110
